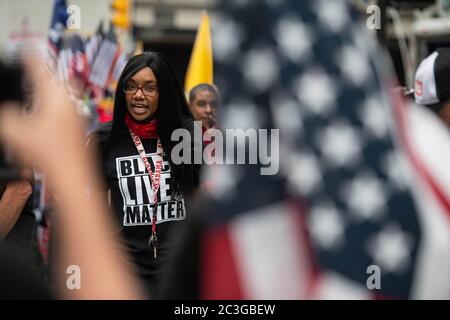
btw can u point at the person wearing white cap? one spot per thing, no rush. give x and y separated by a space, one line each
432 83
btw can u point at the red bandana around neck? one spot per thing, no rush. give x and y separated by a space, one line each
143 130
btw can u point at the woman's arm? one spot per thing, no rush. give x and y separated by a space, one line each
12 202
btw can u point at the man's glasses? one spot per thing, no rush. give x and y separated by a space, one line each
147 90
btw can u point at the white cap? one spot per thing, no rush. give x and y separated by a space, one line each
425 81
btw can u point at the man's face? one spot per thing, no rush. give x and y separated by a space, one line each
142 95
204 108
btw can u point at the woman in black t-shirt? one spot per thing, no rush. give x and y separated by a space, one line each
135 159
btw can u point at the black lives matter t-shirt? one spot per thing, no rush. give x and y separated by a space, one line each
132 201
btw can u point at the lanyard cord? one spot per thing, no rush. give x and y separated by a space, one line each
155 179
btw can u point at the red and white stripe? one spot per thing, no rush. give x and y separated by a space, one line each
427 144
259 255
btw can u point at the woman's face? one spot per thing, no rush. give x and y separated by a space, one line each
142 94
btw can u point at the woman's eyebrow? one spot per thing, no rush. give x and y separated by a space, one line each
145 82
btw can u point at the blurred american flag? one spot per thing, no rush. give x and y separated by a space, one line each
363 177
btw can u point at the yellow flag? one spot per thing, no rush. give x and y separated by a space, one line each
200 68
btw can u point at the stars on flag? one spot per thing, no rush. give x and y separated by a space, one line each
391 249
317 91
260 68
287 34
